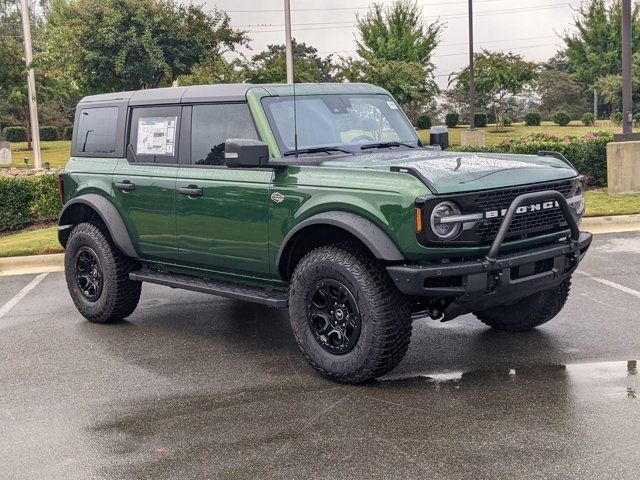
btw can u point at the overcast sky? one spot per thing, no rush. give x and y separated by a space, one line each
526 27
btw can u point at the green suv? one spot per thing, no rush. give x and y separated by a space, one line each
321 200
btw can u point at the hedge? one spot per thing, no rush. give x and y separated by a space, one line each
48 133
26 200
533 119
562 118
588 119
481 120
15 134
423 122
588 154
451 120
68 132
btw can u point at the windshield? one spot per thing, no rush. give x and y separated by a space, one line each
347 122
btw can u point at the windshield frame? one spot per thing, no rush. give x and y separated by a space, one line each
352 148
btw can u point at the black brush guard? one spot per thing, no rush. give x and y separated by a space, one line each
498 279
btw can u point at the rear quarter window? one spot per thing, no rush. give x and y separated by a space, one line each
96 132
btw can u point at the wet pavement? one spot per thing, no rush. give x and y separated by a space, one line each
193 386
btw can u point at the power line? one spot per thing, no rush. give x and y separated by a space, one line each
334 25
364 7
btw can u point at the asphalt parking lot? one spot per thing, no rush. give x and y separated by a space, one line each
193 386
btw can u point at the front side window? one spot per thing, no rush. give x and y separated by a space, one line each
154 134
344 121
212 125
97 130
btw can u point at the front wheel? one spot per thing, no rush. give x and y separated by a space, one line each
349 319
528 313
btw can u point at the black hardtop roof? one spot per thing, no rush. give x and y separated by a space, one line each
230 92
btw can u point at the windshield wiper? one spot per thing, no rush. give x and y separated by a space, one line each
370 146
315 150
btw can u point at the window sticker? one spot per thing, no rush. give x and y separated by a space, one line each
392 105
156 136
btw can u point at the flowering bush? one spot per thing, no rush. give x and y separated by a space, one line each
587 153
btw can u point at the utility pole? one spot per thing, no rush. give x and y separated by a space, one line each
627 100
472 73
287 31
31 84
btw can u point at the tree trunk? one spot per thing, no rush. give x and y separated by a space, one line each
28 122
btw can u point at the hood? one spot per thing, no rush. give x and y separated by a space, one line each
454 172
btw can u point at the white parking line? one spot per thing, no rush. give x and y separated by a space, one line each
21 294
609 283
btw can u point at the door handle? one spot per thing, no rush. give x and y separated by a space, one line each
125 186
191 191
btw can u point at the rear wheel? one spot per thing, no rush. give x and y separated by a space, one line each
97 275
348 318
528 313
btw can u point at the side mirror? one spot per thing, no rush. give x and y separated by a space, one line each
245 153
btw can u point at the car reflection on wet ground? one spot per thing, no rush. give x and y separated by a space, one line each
200 387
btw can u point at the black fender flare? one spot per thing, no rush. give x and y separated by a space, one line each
370 234
109 214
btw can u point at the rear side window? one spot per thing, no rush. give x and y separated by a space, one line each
154 134
97 130
211 125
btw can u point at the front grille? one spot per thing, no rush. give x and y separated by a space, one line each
544 221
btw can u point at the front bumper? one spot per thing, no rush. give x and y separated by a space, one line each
472 286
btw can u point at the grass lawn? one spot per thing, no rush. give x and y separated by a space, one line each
56 153
492 137
599 203
33 242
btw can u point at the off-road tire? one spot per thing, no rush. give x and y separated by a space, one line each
385 316
528 313
119 296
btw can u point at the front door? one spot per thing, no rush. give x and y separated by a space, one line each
144 184
222 213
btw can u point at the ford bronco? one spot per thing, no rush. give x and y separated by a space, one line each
321 200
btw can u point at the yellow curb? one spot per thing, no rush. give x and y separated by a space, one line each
32 264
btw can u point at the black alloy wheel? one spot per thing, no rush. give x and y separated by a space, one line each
334 317
88 273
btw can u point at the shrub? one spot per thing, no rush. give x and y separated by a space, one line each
424 121
616 118
533 119
562 118
26 200
48 133
507 121
588 154
588 119
481 120
15 134
68 132
451 120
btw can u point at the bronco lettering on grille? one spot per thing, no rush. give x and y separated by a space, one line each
536 207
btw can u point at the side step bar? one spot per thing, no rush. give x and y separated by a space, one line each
271 298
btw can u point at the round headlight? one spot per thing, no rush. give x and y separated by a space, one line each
577 198
442 228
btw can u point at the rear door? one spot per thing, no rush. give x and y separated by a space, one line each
222 213
144 183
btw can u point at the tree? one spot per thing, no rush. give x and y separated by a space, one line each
269 66
560 92
112 45
500 76
594 50
395 51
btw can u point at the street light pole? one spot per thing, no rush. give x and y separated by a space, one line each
31 84
472 73
627 99
288 43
